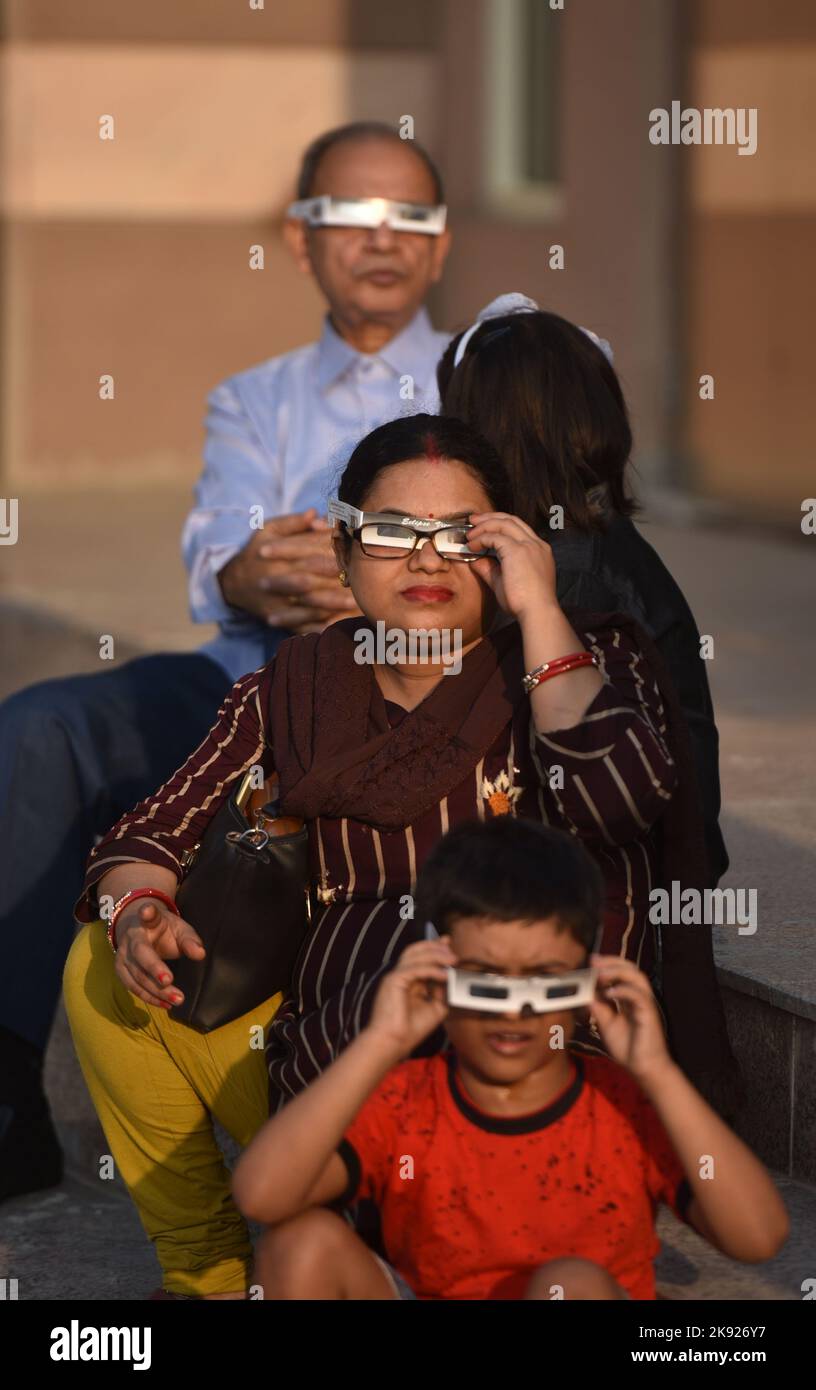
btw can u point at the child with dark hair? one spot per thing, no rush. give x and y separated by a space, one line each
546 395
507 1166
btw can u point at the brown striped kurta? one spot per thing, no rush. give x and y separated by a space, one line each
606 781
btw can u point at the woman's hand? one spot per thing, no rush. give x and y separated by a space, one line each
523 581
148 934
412 998
523 576
634 1036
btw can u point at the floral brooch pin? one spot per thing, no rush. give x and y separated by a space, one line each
501 795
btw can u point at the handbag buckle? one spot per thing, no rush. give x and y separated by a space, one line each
248 842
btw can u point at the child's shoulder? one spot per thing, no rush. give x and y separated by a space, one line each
613 1083
411 1080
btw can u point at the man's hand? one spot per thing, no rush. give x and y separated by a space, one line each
286 575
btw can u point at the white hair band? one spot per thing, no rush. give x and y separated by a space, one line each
515 303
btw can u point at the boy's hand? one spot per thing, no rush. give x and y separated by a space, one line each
634 1036
412 998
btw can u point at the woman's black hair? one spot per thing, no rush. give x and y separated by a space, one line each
423 436
508 870
548 400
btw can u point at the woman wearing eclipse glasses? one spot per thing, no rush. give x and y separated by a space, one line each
546 395
560 720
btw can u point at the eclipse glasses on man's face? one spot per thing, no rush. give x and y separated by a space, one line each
534 994
388 536
370 212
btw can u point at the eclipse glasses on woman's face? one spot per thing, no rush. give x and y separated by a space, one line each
370 212
388 536
535 994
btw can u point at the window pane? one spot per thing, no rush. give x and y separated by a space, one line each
540 33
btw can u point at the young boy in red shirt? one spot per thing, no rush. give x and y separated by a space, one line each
506 1166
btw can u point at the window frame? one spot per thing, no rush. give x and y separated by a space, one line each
507 191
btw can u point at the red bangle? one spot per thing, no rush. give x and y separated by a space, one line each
558 667
130 897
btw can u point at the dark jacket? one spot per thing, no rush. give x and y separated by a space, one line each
618 571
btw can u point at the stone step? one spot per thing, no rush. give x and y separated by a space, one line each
83 1240
687 1267
776 1050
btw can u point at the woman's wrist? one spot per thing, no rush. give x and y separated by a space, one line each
547 635
558 666
543 612
134 898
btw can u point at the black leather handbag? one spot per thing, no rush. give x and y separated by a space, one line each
246 893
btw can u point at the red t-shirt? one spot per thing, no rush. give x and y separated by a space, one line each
472 1203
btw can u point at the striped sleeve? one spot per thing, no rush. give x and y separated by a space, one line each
159 829
611 776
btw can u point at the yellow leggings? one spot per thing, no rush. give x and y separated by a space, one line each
156 1084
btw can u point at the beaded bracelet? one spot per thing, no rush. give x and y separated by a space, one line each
130 897
558 667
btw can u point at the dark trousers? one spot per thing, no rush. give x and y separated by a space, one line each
75 755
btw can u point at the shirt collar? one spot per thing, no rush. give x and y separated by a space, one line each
517 1124
413 352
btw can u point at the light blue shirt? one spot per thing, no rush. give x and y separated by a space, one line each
278 438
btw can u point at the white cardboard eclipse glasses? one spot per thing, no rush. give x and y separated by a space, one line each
370 212
536 994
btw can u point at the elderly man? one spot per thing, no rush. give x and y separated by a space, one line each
369 225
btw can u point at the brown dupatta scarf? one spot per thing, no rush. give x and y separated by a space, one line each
336 755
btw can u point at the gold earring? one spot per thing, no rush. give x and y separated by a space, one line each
343 577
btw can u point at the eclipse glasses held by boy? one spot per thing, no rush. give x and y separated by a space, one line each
523 995
527 994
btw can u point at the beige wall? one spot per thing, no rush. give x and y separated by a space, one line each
749 276
131 256
364 23
617 195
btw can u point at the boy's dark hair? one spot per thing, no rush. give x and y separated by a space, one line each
551 404
355 131
510 869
